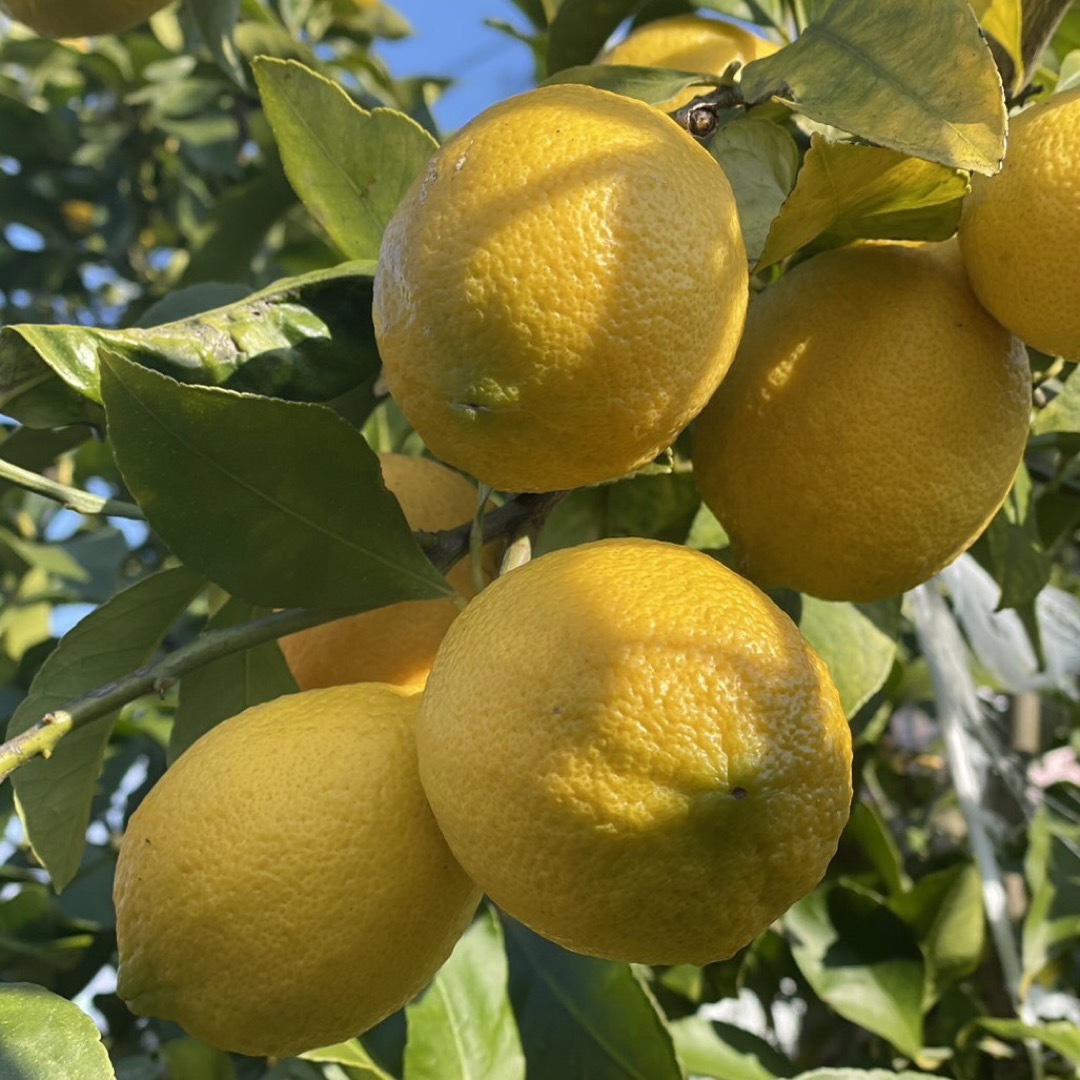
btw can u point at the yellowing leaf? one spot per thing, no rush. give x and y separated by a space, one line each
1001 19
847 192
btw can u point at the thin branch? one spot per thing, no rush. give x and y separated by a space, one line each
69 497
444 549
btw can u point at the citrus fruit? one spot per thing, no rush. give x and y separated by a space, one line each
79 18
561 290
634 752
688 43
1020 229
395 644
284 886
870 426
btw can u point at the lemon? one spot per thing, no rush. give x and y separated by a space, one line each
635 752
1020 229
870 426
284 886
688 43
78 18
395 644
561 290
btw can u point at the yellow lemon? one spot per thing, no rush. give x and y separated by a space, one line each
870 426
395 644
78 18
284 886
561 290
1020 229
688 43
635 752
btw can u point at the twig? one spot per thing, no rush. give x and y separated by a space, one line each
70 498
444 549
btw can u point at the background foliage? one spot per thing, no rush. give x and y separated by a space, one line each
188 238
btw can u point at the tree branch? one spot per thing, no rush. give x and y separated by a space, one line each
70 498
518 516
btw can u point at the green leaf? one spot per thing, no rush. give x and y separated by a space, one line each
215 20
1020 563
1052 868
906 74
221 689
867 828
1059 1035
861 1074
1062 413
463 1028
352 1056
945 910
282 504
307 338
660 507
862 961
120 636
725 1052
847 192
595 1013
44 1037
858 652
760 160
653 85
349 167
579 29
189 1059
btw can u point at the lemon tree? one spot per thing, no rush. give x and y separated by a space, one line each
592 590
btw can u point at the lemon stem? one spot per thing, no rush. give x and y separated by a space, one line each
83 502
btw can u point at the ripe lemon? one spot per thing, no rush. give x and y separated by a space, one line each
395 644
561 290
80 18
635 752
870 426
688 43
284 886
1020 229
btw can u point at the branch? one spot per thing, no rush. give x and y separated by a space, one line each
70 498
520 515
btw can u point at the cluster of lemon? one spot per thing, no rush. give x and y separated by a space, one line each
625 744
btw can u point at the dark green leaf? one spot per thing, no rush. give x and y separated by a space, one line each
760 160
221 689
847 192
463 1028
661 507
1020 563
215 20
54 796
867 828
584 1019
724 1052
1052 867
862 961
945 911
579 29
281 504
307 338
858 652
905 74
44 1037
350 167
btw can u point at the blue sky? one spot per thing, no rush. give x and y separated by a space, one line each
451 39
